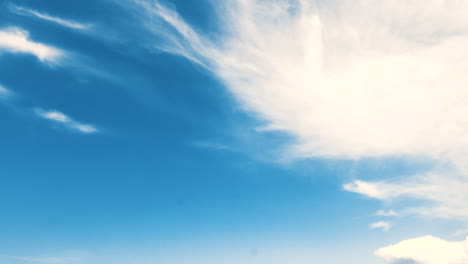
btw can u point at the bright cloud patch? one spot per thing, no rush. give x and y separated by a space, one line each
17 41
348 79
66 121
385 226
60 21
426 250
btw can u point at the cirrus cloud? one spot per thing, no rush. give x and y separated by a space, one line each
60 21
347 80
66 121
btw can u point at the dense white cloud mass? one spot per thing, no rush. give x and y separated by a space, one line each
17 41
349 79
63 22
426 250
66 121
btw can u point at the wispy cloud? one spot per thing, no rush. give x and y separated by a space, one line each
207 144
386 213
385 226
447 194
17 40
60 21
347 79
4 92
66 121
425 250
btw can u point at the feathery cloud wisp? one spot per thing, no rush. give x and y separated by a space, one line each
60 21
17 41
447 194
66 121
4 91
347 79
386 213
426 250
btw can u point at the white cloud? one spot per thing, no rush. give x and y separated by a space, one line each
373 190
426 250
385 226
447 194
63 22
348 79
56 116
17 41
84 128
346 82
67 121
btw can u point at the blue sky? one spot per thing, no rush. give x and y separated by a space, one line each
144 131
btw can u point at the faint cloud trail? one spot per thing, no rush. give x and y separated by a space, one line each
60 21
66 121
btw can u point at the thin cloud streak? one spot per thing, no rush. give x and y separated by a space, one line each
385 226
4 92
447 194
60 21
66 121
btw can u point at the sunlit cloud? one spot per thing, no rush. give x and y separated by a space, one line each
66 121
16 40
426 250
60 21
347 80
